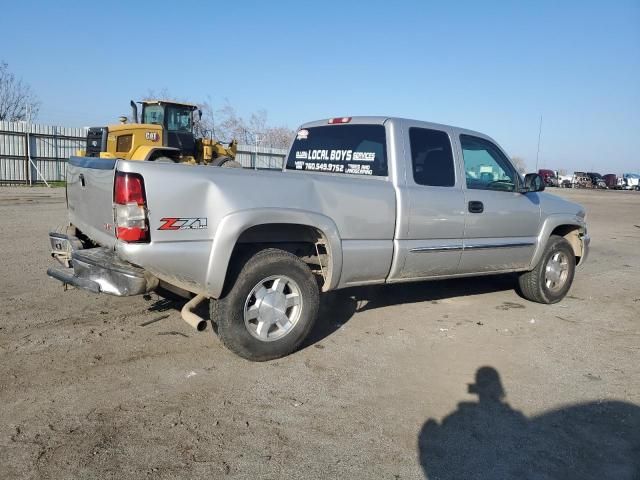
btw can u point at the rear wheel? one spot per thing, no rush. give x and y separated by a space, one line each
269 309
551 279
226 162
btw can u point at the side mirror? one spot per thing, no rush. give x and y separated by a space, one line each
533 183
199 114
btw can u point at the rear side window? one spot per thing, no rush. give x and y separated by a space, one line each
431 158
348 149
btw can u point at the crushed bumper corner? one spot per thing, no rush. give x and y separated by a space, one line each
99 270
68 278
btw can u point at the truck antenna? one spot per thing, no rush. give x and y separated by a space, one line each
539 134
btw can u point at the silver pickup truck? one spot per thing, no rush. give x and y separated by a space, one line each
359 201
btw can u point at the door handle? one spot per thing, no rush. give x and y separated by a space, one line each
476 207
81 177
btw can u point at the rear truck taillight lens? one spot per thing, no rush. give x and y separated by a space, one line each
339 120
130 208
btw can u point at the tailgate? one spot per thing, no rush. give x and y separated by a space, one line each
90 197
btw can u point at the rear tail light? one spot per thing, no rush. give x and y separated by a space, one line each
130 208
339 120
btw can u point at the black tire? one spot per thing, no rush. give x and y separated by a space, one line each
228 313
226 162
533 284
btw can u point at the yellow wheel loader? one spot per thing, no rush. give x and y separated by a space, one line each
163 133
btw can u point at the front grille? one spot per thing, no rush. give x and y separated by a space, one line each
96 141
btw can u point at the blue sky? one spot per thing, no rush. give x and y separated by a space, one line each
489 66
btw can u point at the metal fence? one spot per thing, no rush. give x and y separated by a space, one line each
261 157
49 147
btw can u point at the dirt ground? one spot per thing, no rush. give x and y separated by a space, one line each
441 380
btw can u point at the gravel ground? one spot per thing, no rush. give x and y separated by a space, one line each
441 380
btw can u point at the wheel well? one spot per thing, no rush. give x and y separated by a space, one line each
304 241
572 234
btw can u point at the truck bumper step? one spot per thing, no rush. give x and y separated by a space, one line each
68 278
99 270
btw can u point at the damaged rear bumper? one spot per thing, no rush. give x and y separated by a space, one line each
99 270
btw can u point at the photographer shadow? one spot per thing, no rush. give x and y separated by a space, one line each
488 439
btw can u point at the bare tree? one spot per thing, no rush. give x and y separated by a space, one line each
205 126
17 100
231 125
228 125
520 164
279 137
162 94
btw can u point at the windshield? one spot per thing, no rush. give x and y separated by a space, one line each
178 119
153 114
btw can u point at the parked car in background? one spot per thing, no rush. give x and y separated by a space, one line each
549 177
631 181
596 180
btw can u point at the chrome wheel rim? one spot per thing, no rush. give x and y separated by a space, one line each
272 308
556 271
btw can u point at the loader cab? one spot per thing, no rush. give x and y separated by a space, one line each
176 120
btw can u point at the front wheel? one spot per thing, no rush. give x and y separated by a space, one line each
269 309
551 279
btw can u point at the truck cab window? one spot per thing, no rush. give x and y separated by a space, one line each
348 149
486 168
431 158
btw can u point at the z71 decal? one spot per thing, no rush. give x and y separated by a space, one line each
183 223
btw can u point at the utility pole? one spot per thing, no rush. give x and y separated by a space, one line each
539 134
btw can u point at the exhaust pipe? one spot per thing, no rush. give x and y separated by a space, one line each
134 112
191 318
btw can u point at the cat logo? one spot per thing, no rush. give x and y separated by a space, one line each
152 136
